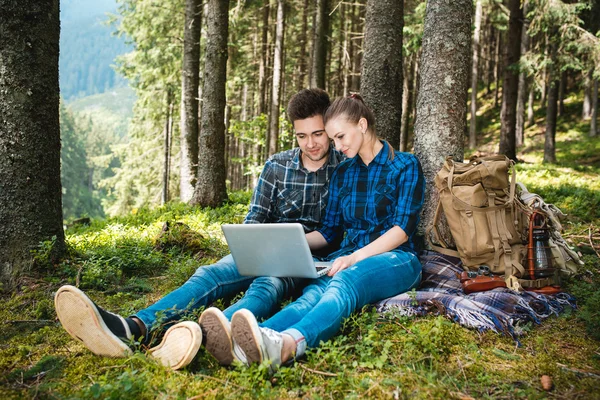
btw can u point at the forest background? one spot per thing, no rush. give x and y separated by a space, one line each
129 131
114 157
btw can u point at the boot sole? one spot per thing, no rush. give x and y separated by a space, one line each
81 319
246 334
218 337
179 346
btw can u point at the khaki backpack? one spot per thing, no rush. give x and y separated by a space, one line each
487 220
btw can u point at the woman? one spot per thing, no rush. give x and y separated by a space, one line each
376 196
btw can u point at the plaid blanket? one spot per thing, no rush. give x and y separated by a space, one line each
500 310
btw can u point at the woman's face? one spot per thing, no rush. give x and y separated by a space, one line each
348 137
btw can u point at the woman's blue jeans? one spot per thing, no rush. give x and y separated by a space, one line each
212 282
317 315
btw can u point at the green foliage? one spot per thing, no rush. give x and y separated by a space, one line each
153 69
78 198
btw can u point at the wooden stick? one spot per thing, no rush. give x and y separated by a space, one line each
578 371
314 371
31 321
591 242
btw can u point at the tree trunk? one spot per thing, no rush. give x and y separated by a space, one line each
262 67
319 60
474 72
407 104
381 82
520 125
190 76
594 121
210 188
587 94
358 51
276 88
443 87
497 67
531 99
351 48
30 186
562 88
341 46
551 113
167 149
302 39
489 65
510 81
544 83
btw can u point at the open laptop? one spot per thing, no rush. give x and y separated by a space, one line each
272 250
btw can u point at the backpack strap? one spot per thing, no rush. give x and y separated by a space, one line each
438 237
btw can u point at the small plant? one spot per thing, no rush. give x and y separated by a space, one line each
43 254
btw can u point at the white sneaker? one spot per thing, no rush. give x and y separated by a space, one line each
259 344
179 346
219 343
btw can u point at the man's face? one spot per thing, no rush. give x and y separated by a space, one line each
312 139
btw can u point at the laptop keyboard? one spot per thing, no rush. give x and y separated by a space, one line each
322 267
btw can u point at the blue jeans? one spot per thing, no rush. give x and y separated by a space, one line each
212 282
317 315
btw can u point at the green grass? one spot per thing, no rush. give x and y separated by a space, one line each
126 263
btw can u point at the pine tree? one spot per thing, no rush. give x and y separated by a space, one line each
381 83
210 190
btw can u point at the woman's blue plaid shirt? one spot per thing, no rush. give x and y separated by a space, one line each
367 201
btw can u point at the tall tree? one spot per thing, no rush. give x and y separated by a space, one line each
588 83
262 68
210 190
442 98
276 88
190 78
520 124
30 188
552 107
319 60
303 39
407 91
168 133
510 81
474 77
594 117
381 83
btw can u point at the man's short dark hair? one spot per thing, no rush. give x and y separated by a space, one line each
308 103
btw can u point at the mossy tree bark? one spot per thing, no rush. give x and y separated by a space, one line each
442 98
190 78
30 188
381 83
210 190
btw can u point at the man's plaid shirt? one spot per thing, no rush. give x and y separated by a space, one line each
367 201
288 192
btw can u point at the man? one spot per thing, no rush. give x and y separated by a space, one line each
292 188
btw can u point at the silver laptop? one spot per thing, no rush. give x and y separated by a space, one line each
272 250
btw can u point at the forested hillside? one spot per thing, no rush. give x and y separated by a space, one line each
88 49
